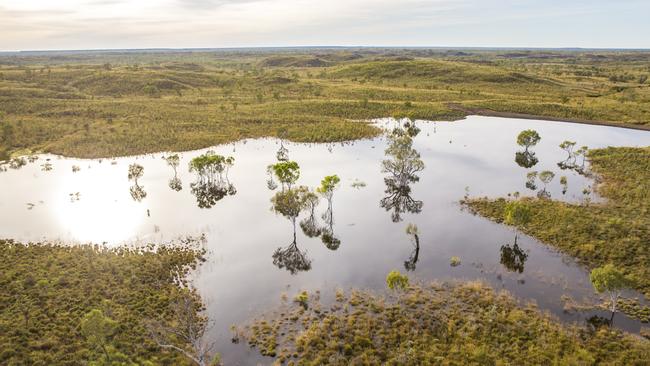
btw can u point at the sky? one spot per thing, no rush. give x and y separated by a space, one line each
118 24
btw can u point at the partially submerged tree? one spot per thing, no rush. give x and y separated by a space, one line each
326 189
527 139
212 183
568 146
608 279
402 166
290 203
136 171
545 177
287 173
174 161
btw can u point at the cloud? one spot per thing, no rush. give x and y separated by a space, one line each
38 24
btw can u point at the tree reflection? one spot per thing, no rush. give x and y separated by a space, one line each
175 182
212 182
526 159
326 189
290 203
516 214
309 225
404 162
412 232
136 171
595 322
513 257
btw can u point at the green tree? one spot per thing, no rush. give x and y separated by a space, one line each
568 146
287 173
395 280
608 279
528 138
291 202
328 185
546 177
98 329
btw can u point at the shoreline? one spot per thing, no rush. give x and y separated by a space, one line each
492 113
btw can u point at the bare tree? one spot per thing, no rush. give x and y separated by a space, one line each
186 334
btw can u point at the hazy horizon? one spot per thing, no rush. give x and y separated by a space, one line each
181 24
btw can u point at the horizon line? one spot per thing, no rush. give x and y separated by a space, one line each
523 48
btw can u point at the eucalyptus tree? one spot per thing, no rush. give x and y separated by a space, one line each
545 177
402 166
608 279
570 161
290 203
136 171
527 139
581 152
174 161
568 146
413 232
326 189
98 330
212 183
286 172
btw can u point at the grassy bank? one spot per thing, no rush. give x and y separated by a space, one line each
617 231
47 290
436 324
110 104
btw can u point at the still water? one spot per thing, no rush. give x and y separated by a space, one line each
84 201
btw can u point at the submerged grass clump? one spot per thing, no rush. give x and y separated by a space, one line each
58 303
616 232
451 324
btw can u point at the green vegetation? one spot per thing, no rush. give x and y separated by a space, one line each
528 138
610 280
615 232
72 305
287 172
396 281
72 104
454 261
437 324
